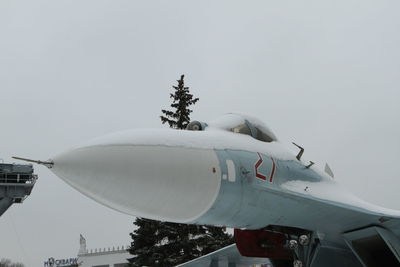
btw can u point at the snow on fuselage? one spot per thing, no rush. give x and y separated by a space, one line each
215 176
161 174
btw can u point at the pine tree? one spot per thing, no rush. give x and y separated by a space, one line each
157 243
182 100
146 245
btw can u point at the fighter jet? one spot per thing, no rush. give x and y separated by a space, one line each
234 172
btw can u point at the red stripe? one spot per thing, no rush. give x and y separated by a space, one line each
273 170
258 163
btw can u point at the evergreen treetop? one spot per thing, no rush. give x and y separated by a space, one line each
179 118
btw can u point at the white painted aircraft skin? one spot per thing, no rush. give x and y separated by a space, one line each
147 181
167 174
162 174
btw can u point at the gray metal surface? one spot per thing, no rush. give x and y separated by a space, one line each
16 183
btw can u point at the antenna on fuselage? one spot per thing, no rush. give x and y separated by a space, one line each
329 171
298 157
310 164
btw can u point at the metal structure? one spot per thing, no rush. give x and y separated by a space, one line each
16 183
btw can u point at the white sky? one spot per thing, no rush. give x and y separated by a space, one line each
322 73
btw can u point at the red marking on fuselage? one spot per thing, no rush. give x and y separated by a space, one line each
273 170
258 164
262 176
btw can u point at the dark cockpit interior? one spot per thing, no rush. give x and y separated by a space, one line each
238 124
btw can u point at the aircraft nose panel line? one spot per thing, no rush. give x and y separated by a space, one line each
147 181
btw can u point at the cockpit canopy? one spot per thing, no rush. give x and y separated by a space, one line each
236 123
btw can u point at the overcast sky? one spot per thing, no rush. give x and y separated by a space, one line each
322 73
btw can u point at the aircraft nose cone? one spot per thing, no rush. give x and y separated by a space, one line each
152 181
